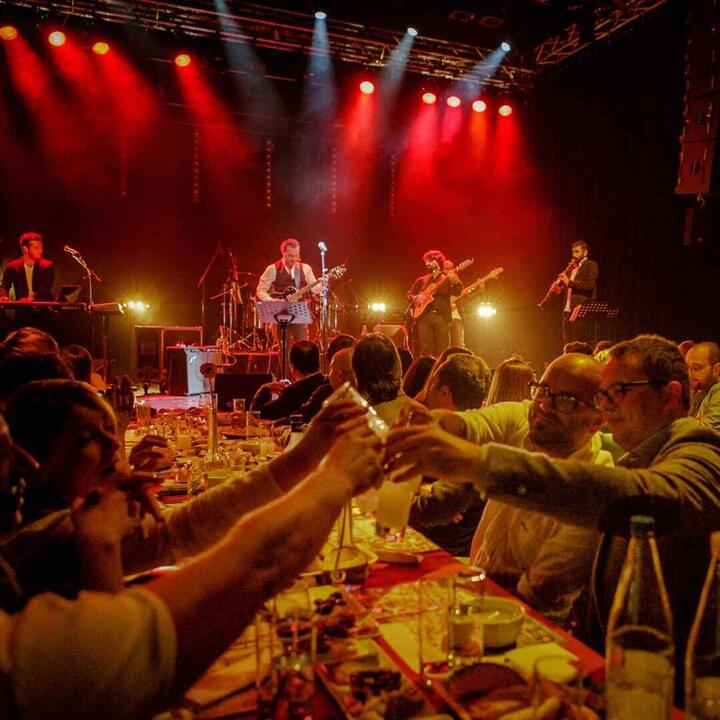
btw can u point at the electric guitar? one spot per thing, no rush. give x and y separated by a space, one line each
292 294
425 297
492 275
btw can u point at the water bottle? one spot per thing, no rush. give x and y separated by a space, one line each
702 660
640 651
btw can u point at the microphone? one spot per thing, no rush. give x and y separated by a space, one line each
322 246
70 250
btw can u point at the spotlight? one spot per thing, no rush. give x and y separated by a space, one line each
505 110
137 306
485 310
429 98
505 46
412 31
320 15
183 60
101 48
367 87
8 32
479 106
453 101
57 38
378 307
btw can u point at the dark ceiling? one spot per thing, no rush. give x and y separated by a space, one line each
455 35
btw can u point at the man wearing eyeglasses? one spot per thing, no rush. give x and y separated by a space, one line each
547 562
671 471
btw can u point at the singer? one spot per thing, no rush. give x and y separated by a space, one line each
30 276
433 326
284 277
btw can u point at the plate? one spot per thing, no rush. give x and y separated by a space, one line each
374 686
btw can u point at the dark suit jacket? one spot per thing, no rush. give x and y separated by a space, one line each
584 286
290 399
43 277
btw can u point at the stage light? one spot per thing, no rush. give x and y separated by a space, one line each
101 48
57 38
182 60
378 307
505 110
412 31
505 46
137 306
8 32
453 101
429 98
367 87
320 15
485 310
479 106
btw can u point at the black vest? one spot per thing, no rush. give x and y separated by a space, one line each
284 280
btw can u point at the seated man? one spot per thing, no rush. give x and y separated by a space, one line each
545 561
306 375
460 383
326 389
133 654
703 361
378 374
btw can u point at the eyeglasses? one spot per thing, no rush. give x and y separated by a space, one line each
561 401
617 391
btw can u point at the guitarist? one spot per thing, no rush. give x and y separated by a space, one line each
457 315
433 326
286 275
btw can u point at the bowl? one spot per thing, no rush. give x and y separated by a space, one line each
480 679
502 620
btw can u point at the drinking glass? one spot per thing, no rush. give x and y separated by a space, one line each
144 415
465 620
433 629
393 508
557 681
285 654
238 405
252 424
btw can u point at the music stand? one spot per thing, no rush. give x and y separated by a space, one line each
594 310
283 313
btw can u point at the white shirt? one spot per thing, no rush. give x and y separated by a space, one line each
28 277
270 273
569 290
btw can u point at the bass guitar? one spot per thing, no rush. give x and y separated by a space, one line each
426 295
292 294
492 275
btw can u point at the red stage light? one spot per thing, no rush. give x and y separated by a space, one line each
429 98
367 87
101 48
453 101
505 110
8 32
57 38
479 106
183 60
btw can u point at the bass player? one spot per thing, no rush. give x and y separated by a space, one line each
433 325
285 276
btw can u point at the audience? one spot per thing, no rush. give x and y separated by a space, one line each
406 359
460 383
703 361
510 382
29 340
444 355
132 654
670 472
577 346
306 375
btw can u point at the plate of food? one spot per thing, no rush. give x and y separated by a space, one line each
373 688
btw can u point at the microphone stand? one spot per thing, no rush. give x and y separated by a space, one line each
90 275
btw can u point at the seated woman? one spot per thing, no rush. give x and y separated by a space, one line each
132 654
71 432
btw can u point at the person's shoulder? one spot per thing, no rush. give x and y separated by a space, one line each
14 264
45 263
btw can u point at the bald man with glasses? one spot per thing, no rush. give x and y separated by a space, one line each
671 471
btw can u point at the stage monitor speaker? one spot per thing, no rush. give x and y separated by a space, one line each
397 333
150 345
229 386
184 363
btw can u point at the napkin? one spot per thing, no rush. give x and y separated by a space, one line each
523 659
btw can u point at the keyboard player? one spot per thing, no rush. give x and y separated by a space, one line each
31 277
